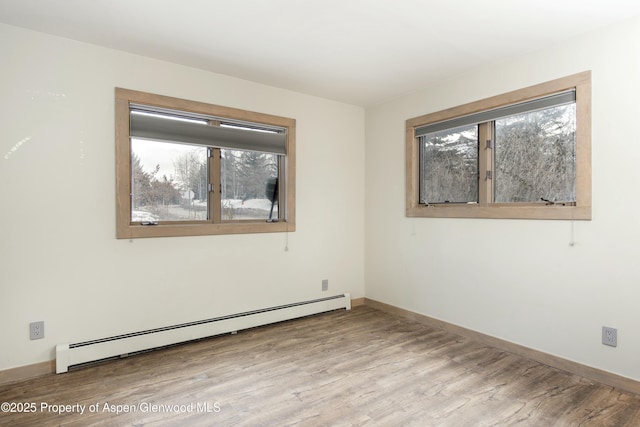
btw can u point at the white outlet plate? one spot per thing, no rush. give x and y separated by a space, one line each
36 330
609 336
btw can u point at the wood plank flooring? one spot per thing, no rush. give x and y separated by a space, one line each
361 367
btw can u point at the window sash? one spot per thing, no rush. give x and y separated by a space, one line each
558 183
461 175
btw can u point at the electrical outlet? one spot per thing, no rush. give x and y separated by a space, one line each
36 330
609 336
325 284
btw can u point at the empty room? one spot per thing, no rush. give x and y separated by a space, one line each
319 213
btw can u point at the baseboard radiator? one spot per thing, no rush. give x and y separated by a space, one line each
69 355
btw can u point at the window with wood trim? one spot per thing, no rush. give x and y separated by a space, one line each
524 154
187 168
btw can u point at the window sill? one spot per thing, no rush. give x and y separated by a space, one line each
501 211
130 231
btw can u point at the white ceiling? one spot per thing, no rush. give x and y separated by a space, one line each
361 52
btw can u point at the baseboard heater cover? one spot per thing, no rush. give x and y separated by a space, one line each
68 355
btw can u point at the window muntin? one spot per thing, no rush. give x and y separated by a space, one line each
170 168
567 196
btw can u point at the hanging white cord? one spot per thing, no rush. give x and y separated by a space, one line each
572 241
286 238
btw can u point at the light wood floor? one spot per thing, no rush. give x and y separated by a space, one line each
345 368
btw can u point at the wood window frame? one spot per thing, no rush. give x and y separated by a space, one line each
485 208
125 229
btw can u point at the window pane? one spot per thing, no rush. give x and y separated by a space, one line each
449 166
168 182
535 156
244 177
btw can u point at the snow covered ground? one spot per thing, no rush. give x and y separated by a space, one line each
259 204
247 209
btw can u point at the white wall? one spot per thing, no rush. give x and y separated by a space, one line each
520 280
59 259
